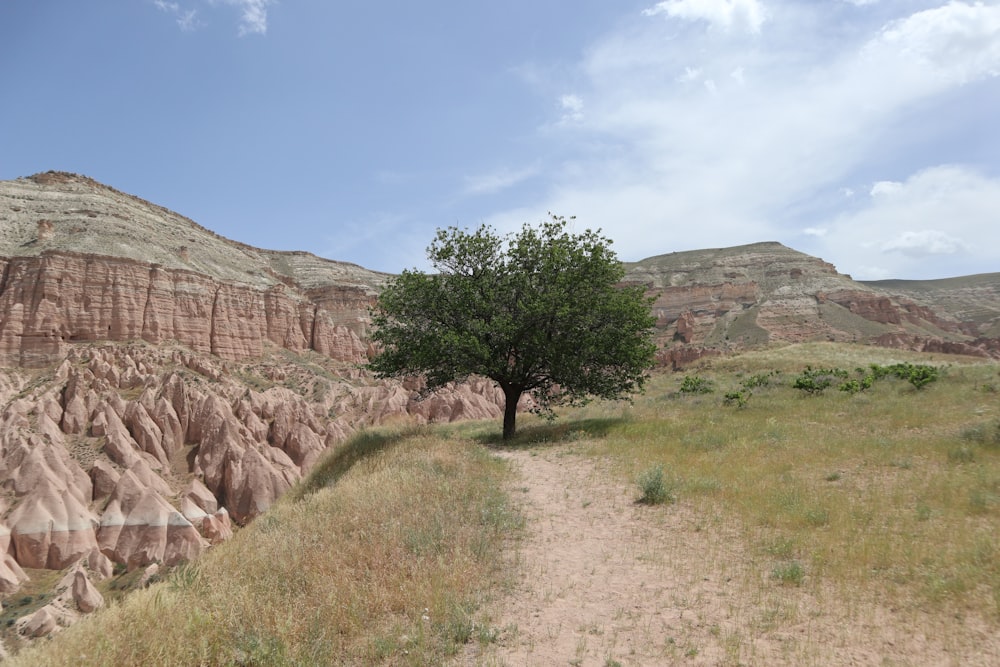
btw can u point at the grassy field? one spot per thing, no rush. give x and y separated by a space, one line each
892 490
386 554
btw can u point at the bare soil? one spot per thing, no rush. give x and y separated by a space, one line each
605 581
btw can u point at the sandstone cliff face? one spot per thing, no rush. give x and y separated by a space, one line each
972 300
56 299
159 387
82 262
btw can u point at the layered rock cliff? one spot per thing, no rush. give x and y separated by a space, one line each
713 301
82 262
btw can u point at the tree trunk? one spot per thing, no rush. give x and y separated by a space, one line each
511 397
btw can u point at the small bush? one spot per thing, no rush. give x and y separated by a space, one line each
815 380
738 398
919 375
656 489
758 380
863 382
695 384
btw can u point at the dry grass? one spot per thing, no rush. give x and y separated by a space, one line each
386 565
894 490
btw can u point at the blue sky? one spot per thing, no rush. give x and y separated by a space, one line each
865 132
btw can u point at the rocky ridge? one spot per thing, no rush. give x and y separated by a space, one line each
134 456
714 301
80 261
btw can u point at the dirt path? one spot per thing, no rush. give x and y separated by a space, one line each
608 582
598 585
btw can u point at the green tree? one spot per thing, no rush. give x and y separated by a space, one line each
540 311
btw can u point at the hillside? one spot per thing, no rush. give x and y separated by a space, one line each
720 300
973 300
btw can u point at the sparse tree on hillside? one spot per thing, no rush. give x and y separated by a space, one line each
539 311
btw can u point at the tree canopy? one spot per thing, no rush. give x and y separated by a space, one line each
539 311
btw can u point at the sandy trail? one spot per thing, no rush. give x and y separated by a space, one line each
605 582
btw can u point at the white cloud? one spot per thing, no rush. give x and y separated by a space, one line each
695 139
925 242
726 14
253 14
496 181
885 188
187 19
955 43
572 106
947 214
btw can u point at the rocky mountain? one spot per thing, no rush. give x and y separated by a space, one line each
161 385
82 262
714 301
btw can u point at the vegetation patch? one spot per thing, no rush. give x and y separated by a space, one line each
656 488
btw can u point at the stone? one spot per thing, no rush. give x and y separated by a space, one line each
85 595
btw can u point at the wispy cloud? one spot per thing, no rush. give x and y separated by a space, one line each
253 14
726 14
572 106
496 181
947 213
187 19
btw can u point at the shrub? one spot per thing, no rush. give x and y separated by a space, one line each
738 398
656 490
695 384
864 382
816 380
758 380
919 375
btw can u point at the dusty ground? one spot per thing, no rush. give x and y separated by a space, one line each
607 582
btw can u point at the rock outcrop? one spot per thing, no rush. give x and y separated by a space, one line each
135 455
81 262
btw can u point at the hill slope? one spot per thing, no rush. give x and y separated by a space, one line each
712 301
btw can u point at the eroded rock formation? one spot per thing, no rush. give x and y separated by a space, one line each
148 455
